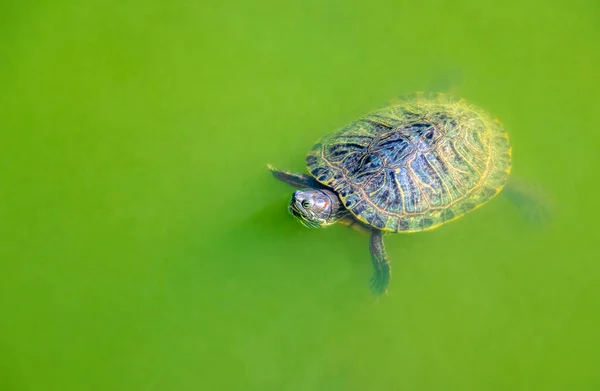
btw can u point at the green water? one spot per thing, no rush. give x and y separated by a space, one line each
144 246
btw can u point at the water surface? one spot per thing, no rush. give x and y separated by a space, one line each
144 246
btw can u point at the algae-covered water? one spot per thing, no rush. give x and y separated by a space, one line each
144 245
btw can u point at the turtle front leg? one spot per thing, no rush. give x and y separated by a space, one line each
381 276
295 179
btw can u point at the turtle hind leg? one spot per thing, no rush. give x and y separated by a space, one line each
532 201
445 82
295 179
382 273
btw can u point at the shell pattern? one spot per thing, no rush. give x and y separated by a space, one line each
415 165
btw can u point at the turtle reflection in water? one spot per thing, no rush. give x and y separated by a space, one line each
413 166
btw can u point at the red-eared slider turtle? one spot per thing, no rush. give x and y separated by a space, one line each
413 166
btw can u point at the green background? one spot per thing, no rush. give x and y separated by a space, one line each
144 246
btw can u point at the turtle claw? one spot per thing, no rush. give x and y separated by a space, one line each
538 216
379 285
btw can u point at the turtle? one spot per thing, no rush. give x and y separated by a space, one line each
421 162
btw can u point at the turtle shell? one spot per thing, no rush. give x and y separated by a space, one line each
415 165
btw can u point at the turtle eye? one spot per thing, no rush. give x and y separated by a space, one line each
305 204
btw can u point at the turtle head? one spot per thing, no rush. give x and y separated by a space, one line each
316 208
